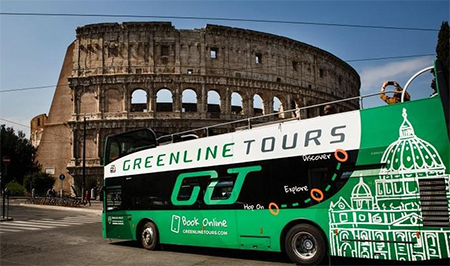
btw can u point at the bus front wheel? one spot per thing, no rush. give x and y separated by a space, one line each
149 236
304 244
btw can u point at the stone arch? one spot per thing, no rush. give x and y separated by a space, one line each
113 101
189 100
237 105
214 103
277 105
280 106
258 105
294 106
139 100
164 100
88 103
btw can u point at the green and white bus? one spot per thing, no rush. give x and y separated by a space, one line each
371 183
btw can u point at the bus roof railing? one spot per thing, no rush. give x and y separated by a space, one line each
248 120
414 77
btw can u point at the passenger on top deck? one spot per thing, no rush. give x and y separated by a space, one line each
397 97
328 110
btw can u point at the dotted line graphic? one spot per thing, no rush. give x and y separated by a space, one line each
315 193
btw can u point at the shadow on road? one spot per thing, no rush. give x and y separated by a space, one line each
217 252
277 256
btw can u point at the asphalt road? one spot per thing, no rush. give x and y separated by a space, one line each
39 236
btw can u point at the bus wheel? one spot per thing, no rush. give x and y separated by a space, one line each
304 244
149 236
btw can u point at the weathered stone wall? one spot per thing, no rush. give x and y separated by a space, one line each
37 127
112 63
53 152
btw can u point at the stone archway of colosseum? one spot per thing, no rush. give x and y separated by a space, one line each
214 104
295 104
246 99
189 100
139 100
281 104
277 106
237 103
258 104
164 100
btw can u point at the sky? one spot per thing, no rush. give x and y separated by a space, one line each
382 40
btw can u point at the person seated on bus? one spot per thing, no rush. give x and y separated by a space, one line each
328 110
397 97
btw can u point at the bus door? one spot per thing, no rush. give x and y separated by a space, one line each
117 220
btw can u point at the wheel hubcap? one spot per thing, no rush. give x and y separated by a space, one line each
305 245
147 235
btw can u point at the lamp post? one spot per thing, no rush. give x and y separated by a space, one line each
83 189
6 161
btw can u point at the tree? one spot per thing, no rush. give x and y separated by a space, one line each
22 154
40 181
442 47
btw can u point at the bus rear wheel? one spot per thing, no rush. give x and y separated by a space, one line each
149 236
304 244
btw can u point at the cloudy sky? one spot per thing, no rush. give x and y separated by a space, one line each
382 40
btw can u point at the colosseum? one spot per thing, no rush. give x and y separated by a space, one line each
119 77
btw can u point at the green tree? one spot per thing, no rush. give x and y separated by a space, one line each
22 154
443 47
40 181
15 189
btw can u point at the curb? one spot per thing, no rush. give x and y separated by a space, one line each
61 208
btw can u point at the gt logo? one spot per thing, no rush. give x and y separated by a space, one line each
241 175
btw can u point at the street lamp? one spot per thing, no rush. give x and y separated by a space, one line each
83 189
6 161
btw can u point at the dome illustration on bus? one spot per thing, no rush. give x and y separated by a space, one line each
410 155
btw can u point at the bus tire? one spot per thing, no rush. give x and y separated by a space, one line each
305 244
149 237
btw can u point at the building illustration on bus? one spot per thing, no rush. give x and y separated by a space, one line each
386 219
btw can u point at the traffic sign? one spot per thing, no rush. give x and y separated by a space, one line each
61 177
6 160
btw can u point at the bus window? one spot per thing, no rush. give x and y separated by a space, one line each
114 151
222 189
122 144
113 198
189 189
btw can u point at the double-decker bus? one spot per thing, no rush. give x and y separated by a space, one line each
370 183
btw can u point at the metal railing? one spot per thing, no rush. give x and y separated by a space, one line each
55 201
249 121
427 69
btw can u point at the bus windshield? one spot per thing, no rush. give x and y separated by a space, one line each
122 144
